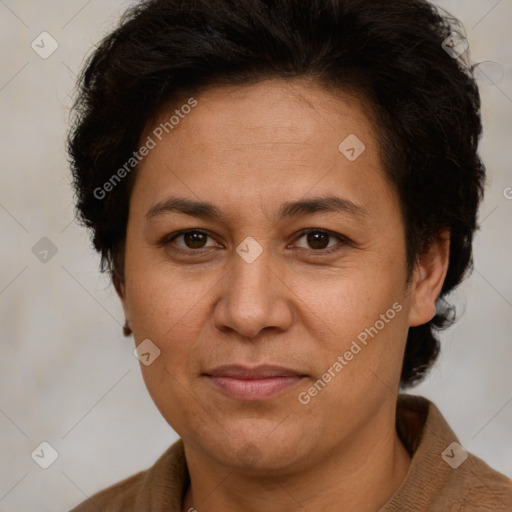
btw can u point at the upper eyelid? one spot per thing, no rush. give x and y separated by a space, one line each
299 235
184 232
327 232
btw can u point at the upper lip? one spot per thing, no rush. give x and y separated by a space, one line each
258 372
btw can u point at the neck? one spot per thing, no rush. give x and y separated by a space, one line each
362 474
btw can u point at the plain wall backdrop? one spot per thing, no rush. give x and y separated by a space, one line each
67 375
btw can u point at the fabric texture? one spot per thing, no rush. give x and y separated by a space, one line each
442 477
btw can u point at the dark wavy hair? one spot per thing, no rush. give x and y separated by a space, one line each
391 52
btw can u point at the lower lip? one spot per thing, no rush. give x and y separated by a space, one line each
254 389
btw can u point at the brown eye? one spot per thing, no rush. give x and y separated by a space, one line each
191 240
194 239
319 240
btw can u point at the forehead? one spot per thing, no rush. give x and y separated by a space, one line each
266 140
272 111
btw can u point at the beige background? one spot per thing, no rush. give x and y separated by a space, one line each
67 375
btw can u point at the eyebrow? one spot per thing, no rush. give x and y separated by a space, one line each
303 207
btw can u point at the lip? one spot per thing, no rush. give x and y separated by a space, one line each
259 383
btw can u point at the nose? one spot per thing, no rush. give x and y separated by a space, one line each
254 297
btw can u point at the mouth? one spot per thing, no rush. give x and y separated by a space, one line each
252 384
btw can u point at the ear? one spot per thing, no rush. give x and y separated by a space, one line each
121 293
120 287
428 279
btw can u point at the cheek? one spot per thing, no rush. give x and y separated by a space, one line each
160 298
351 304
168 310
367 322
172 310
362 355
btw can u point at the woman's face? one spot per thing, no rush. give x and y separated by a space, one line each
251 289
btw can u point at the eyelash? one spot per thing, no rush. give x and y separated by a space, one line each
166 240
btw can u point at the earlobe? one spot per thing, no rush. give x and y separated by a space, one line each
127 330
428 280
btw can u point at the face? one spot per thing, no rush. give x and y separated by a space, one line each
280 309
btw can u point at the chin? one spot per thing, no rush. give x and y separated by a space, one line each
266 452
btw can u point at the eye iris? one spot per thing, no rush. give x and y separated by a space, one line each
194 239
315 239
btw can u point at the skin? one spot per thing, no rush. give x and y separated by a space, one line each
248 150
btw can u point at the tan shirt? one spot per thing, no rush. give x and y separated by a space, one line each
440 477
